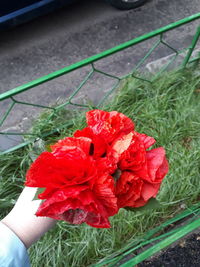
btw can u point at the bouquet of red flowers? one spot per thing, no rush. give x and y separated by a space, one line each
102 168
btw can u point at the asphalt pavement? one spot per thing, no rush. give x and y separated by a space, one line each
76 32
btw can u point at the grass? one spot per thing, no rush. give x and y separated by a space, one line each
167 109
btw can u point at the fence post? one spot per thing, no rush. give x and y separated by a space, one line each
191 48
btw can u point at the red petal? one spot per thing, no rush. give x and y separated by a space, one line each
47 193
76 205
134 157
107 164
157 164
108 125
122 143
61 168
65 144
97 221
128 190
38 173
149 190
104 191
163 170
79 216
74 216
145 139
100 146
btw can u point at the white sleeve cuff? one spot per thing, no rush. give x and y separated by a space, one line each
13 253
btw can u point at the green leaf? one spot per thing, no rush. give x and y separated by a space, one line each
151 204
39 191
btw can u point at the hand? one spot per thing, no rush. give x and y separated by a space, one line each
23 221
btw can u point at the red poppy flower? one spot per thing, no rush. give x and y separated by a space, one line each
75 189
134 156
104 167
132 191
156 166
150 165
78 204
66 165
105 158
99 148
134 188
131 149
141 171
108 125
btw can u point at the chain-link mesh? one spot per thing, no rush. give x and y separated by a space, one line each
16 133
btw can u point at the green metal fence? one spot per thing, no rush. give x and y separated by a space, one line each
10 99
155 240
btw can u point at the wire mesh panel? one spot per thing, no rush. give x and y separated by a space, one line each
90 82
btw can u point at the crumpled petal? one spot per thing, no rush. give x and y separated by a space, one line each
128 190
100 146
107 164
145 139
134 157
122 143
104 190
65 144
65 166
149 190
108 125
76 205
132 191
156 165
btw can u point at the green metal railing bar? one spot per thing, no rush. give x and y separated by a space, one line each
191 48
19 134
148 237
162 244
118 259
94 58
24 144
7 113
147 242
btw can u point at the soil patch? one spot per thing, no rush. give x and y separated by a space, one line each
185 254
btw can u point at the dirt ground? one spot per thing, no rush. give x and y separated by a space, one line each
185 254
